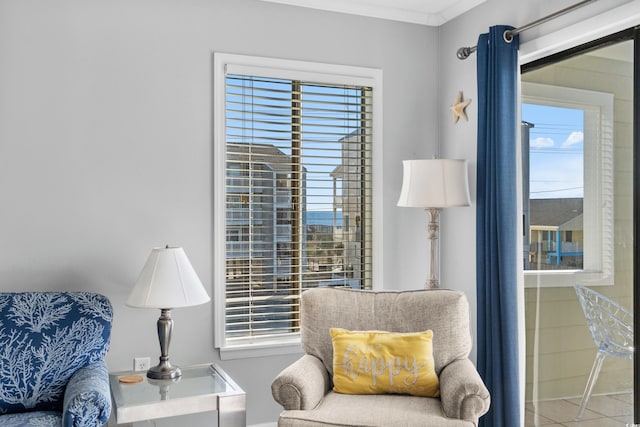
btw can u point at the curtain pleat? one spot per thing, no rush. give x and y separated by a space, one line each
497 228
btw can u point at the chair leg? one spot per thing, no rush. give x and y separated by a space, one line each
593 377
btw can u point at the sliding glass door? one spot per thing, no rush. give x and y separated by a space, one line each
579 138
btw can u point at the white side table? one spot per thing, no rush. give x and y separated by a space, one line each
201 388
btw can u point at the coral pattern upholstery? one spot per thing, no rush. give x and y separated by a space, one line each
304 389
52 349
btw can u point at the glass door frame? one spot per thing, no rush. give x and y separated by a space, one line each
636 223
625 35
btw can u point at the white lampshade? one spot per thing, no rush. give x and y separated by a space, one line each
167 280
434 183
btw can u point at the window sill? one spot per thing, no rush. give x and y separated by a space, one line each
247 350
565 278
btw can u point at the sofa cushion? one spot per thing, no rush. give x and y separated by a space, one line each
377 362
44 338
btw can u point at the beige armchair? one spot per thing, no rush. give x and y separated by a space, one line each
304 389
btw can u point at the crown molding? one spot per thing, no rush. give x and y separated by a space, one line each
432 13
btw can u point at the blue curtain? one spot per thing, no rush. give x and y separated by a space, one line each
496 216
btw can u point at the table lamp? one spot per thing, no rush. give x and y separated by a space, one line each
434 184
167 281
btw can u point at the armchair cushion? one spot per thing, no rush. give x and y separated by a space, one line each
380 410
376 362
38 418
444 311
52 349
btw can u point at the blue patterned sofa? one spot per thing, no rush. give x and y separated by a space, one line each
52 349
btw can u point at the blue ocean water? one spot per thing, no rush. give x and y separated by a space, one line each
323 218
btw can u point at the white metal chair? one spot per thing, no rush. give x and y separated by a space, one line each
611 327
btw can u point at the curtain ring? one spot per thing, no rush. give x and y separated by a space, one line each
507 36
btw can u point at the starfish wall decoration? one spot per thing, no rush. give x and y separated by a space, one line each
458 109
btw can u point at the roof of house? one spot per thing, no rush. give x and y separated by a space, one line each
266 154
555 212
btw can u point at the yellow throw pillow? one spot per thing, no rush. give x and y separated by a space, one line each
375 362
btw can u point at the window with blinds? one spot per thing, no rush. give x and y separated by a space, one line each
297 197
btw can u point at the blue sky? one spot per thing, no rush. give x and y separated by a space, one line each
556 151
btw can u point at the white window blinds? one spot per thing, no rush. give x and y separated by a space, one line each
298 197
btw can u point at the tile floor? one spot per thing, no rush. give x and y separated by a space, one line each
602 411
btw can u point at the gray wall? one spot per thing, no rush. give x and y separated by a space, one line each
105 147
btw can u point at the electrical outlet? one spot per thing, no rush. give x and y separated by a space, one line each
141 363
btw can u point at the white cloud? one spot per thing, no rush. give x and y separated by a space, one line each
573 139
541 143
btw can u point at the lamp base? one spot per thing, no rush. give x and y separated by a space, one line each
164 371
433 282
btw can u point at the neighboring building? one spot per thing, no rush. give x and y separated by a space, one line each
556 234
347 178
259 199
259 232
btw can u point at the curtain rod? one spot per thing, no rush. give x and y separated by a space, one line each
465 52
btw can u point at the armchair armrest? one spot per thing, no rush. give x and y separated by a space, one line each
462 392
302 384
87 399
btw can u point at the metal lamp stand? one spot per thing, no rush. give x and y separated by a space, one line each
164 370
433 228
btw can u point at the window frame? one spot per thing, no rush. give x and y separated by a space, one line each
295 70
598 267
